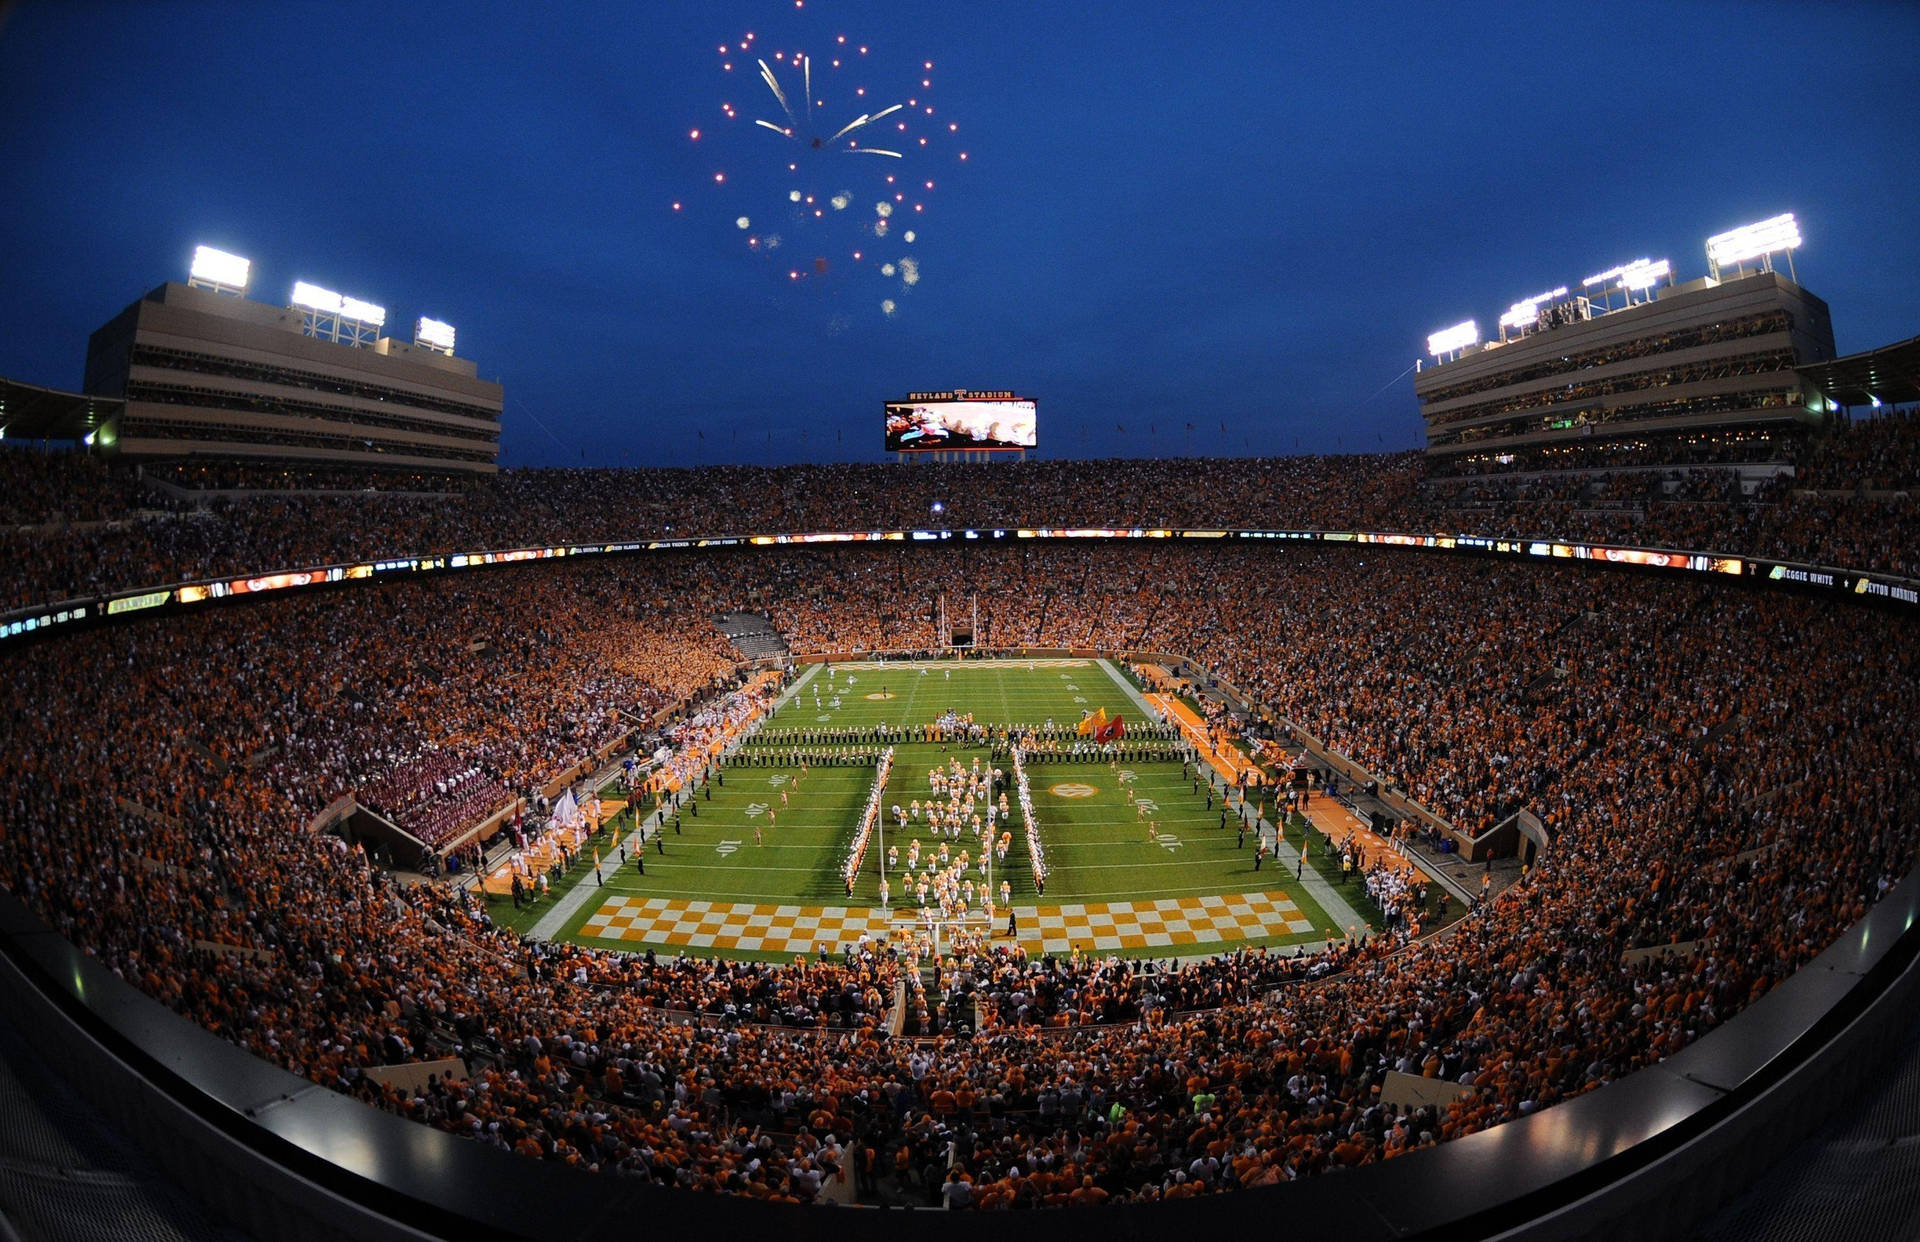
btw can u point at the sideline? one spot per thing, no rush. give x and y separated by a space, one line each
1285 856
580 894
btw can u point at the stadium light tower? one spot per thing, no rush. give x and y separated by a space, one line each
1524 315
435 335
1453 340
1749 242
329 316
1635 277
219 271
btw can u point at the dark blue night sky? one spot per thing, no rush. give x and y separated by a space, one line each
1247 214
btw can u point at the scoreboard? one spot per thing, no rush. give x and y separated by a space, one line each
961 420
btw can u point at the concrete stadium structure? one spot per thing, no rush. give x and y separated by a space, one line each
207 374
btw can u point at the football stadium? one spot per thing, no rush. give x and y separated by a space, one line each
415 827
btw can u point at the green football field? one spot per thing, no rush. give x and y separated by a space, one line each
1030 692
1139 860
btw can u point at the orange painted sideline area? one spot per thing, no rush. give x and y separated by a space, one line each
1332 817
669 780
1226 758
544 852
1329 815
1158 677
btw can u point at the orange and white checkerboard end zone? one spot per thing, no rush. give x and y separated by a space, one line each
1176 924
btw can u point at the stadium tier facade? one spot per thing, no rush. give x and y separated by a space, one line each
207 374
1704 370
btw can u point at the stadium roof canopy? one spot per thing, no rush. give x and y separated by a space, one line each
30 412
1889 375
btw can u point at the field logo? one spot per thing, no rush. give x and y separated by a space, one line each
1072 789
756 809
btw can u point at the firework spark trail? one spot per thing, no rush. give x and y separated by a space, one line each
849 127
773 84
805 201
883 114
862 120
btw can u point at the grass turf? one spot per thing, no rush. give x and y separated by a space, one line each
1096 838
994 691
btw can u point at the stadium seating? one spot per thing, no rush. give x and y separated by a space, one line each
1721 769
77 527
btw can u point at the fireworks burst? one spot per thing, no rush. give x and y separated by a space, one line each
800 136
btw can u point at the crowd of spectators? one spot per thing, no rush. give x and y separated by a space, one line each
1727 769
1761 446
436 703
60 489
696 739
1875 454
208 476
411 782
465 800
140 536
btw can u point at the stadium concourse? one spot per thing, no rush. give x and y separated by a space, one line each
72 525
1728 772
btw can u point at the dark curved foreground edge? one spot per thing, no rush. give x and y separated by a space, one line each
286 1159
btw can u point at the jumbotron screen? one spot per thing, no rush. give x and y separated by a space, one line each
931 421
